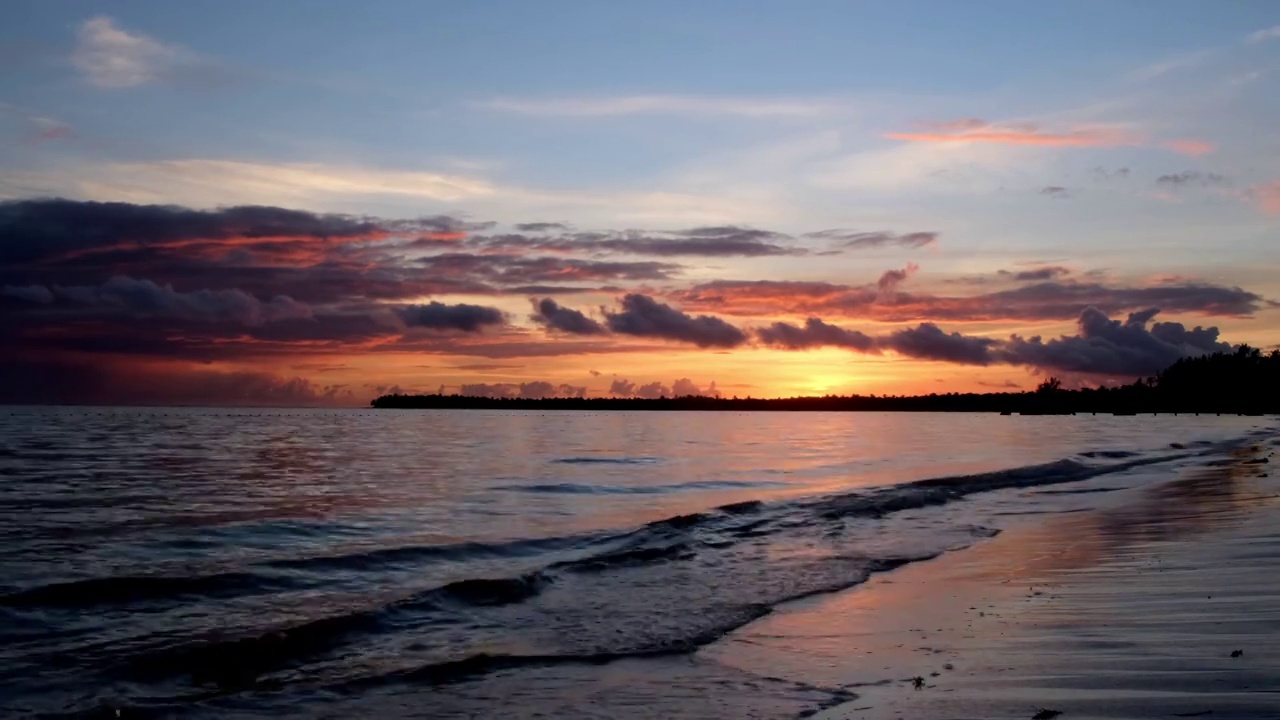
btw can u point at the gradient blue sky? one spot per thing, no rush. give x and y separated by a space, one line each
1136 141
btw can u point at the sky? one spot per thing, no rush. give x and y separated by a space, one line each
315 203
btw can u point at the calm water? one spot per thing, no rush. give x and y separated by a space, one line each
474 564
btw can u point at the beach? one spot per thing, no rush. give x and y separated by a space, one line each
1130 609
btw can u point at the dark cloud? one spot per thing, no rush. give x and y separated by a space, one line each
891 279
1055 191
32 230
30 293
929 342
645 317
1050 272
1111 347
439 316
862 240
549 313
1192 177
623 387
815 333
721 241
684 387
540 227
145 298
519 270
1053 300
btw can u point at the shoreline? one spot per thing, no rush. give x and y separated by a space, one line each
1096 613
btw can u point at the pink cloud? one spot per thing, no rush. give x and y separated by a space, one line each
1267 195
973 130
1188 146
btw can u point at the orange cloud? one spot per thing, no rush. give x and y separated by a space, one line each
974 130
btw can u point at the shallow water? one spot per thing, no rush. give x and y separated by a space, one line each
186 562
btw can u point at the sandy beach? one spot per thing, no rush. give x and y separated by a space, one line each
1130 609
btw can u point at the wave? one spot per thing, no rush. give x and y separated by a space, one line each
607 461
666 587
129 589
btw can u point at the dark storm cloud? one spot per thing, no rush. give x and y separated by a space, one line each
549 313
439 316
862 240
645 317
1191 177
814 333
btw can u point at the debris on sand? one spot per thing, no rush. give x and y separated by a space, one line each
1237 653
1046 714
917 682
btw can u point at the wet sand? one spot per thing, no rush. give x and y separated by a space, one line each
1129 610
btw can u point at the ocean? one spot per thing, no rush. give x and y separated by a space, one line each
327 563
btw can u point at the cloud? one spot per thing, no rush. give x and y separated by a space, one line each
461 317
41 229
1267 195
1111 347
716 241
553 316
645 317
111 57
973 130
686 105
30 293
1271 33
47 129
862 240
1188 146
1056 192
510 269
815 333
928 342
622 387
540 227
1101 347
891 279
1191 177
145 298
1049 272
1051 300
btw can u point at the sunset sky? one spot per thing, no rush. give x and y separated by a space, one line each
318 202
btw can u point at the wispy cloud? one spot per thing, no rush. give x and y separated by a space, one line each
973 130
111 57
690 105
1168 65
1271 33
976 131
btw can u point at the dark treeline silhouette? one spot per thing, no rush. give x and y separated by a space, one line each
1244 381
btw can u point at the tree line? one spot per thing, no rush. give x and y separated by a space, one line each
1243 381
